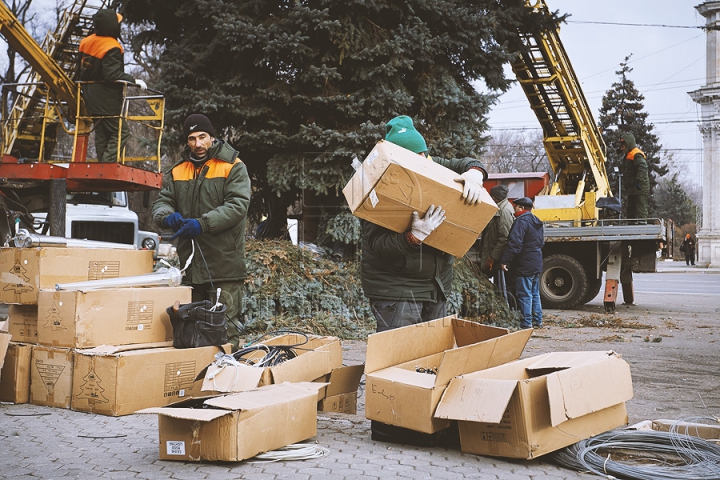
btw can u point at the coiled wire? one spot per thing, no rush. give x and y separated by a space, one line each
655 456
296 451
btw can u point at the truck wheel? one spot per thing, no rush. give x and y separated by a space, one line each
563 282
594 286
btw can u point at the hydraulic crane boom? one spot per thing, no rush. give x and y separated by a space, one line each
571 137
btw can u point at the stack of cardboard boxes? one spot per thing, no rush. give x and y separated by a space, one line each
107 351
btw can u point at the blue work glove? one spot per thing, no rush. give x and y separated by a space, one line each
189 230
174 221
637 185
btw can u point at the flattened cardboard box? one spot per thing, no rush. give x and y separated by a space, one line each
112 316
318 357
393 182
396 390
119 380
15 376
540 404
25 271
239 425
23 323
51 376
341 394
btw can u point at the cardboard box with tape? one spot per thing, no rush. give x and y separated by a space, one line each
15 374
51 376
393 182
341 394
539 404
110 316
25 271
408 368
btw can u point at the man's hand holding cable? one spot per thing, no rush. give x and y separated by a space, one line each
191 229
472 181
422 227
174 220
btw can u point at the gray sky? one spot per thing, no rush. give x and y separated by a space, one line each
667 63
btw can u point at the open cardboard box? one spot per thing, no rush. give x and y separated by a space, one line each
340 395
540 404
318 357
393 182
108 316
119 380
397 394
239 425
26 271
15 374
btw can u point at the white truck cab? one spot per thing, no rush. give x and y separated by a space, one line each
101 216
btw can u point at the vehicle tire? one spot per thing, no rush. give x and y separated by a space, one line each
594 286
563 282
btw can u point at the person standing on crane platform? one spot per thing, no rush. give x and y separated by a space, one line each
635 176
101 62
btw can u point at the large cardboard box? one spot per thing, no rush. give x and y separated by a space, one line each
112 316
23 323
238 426
317 356
540 404
119 380
51 376
25 271
15 376
341 394
398 392
4 343
393 182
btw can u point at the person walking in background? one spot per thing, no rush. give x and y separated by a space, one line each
688 248
101 62
204 199
636 179
523 256
493 240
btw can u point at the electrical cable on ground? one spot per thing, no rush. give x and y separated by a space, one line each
296 451
654 456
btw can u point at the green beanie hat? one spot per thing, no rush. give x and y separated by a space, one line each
401 131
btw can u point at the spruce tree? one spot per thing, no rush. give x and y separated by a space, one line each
622 111
301 87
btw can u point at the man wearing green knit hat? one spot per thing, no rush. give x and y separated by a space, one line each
406 281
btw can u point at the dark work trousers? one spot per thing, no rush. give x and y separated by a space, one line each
391 314
637 206
106 138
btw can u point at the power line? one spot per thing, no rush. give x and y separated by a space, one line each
703 27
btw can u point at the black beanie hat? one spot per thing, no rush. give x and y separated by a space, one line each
499 191
198 123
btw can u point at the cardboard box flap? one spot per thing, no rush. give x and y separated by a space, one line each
4 343
563 360
197 414
311 364
476 399
588 388
480 356
104 350
231 378
468 332
345 379
428 338
265 396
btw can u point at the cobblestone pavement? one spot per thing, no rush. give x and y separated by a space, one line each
43 442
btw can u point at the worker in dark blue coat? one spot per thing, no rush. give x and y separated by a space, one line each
523 257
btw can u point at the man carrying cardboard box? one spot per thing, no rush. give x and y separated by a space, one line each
405 281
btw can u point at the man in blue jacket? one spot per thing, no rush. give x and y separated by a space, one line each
524 257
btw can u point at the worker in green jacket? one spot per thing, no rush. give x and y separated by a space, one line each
408 282
100 61
204 199
636 180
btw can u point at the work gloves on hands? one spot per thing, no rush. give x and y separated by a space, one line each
190 229
174 221
141 84
422 227
472 181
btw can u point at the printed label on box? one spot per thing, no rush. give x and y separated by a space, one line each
21 272
140 315
99 270
53 319
371 158
374 200
179 376
175 447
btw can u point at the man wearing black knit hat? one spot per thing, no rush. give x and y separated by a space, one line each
204 200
